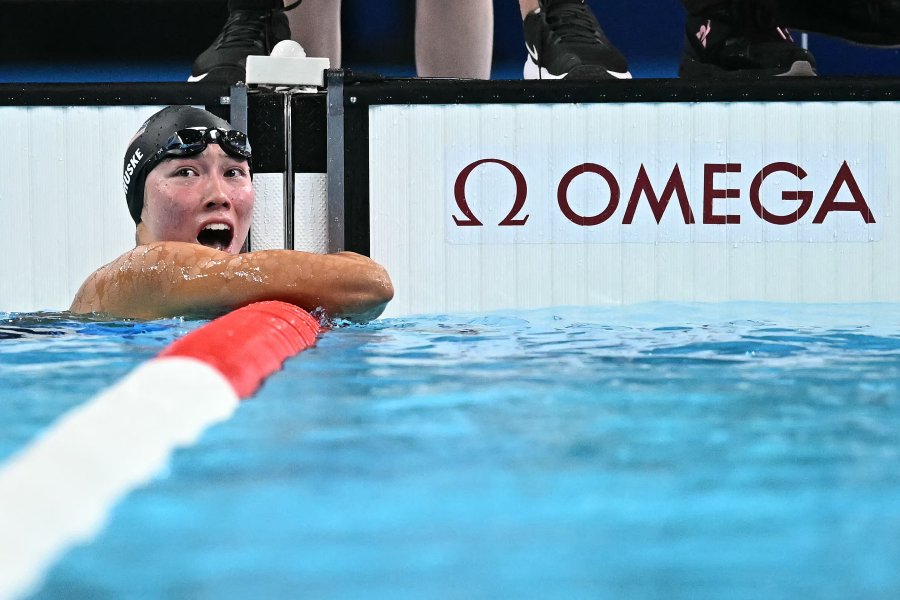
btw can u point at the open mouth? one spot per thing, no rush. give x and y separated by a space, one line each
216 235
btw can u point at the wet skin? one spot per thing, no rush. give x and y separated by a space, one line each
170 273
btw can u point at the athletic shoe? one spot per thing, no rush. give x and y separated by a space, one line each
871 22
246 32
741 39
564 40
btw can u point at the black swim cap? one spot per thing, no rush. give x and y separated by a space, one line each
150 138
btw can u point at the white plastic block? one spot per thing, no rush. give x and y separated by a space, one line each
279 70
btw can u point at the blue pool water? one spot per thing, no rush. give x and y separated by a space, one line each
657 451
50 363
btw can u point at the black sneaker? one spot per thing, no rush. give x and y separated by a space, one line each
246 32
741 39
564 39
871 22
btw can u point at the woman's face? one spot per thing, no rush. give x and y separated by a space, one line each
205 199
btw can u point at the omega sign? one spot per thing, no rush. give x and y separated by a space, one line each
495 200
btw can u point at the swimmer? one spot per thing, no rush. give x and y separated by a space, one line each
187 179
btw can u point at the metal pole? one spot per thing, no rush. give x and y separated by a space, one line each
288 175
335 150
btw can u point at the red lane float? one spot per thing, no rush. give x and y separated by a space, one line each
250 343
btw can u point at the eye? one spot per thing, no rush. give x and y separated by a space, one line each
235 172
185 172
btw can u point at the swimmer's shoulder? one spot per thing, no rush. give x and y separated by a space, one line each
114 287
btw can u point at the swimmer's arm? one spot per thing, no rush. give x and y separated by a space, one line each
166 279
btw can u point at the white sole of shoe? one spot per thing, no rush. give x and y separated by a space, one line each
533 71
801 68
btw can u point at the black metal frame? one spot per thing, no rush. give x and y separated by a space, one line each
113 94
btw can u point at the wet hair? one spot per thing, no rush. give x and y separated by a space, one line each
150 139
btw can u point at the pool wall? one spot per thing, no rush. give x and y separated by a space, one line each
485 195
495 195
61 200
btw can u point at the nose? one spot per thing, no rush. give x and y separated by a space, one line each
216 193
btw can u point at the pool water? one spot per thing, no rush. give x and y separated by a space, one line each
50 363
655 451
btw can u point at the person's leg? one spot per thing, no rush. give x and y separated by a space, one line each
871 22
527 7
454 38
564 40
316 25
740 39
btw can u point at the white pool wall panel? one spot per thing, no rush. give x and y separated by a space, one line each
62 206
311 212
267 228
417 152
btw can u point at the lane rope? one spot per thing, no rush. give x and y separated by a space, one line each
59 490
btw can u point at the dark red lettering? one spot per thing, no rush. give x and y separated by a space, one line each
858 204
711 193
805 197
642 186
562 194
459 192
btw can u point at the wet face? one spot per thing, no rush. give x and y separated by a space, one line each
205 199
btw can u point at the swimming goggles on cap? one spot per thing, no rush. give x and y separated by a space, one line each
194 140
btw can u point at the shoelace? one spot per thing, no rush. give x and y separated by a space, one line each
573 22
240 31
